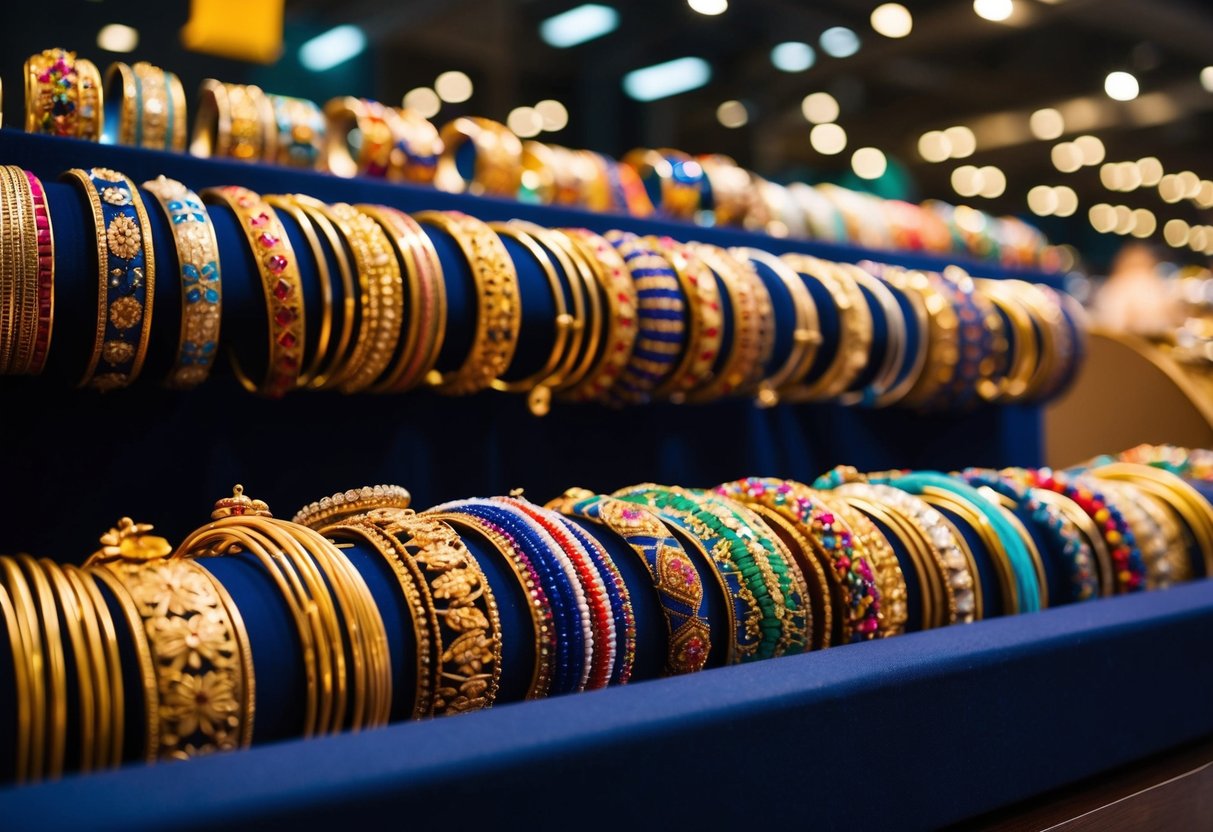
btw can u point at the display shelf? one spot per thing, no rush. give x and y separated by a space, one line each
910 733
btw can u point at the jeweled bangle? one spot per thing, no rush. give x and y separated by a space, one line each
854 333
427 298
27 273
616 285
705 324
729 186
752 335
818 595
1147 532
145 107
674 577
1023 351
498 307
233 121
660 318
281 283
599 610
850 571
127 276
299 135
63 95
377 129
942 336
1179 566
531 586
417 150
983 342
896 338
1059 532
806 328
496 158
673 179
201 281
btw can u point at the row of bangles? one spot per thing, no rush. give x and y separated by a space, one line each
144 106
367 298
361 611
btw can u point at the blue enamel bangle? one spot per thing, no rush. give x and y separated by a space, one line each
675 578
661 320
127 277
566 617
1025 573
201 283
299 127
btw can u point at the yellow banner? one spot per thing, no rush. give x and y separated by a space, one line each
247 30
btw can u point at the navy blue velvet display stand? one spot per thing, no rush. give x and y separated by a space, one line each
785 735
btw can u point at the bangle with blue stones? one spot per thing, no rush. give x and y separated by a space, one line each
571 641
126 269
675 579
299 132
1063 538
201 285
661 321
144 107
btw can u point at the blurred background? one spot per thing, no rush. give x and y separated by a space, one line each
1090 118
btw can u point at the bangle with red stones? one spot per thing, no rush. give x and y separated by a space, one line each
621 604
1127 561
852 574
46 276
674 577
27 274
602 643
281 282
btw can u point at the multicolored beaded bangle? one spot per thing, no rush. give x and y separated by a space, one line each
705 324
498 309
574 637
1147 532
127 272
817 588
677 583
868 543
621 604
201 282
602 640
850 570
616 285
1130 569
63 95
281 282
661 321
300 132
1058 531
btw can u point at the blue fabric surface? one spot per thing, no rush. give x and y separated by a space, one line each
909 733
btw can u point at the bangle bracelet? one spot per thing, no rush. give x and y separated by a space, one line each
427 298
64 600
27 273
660 321
584 279
145 107
30 666
854 332
753 336
281 283
54 668
677 583
417 150
63 95
1147 532
377 129
673 180
496 158
615 283
1024 356
896 338
806 328
538 178
104 669
498 308
621 605
298 132
199 648
201 282
234 121
705 323
530 585
917 321
982 341
21 692
1176 564
942 336
127 275
819 605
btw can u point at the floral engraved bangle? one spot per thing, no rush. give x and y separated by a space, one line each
127 274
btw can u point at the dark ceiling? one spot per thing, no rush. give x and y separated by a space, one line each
954 68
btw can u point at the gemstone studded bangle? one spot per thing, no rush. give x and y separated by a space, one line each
127 276
299 135
63 95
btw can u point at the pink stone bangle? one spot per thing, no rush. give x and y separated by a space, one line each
46 276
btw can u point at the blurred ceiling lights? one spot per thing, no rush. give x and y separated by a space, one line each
709 7
732 114
1121 86
332 48
579 25
453 87
423 101
995 10
118 38
819 108
662 80
1047 124
869 163
892 20
793 56
839 42
828 139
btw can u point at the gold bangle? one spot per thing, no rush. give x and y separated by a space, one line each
896 339
1050 329
498 308
55 668
298 132
62 600
126 274
418 146
201 281
854 329
537 182
1131 501
1024 357
942 336
583 283
233 121
377 127
281 282
104 669
615 284
27 275
704 320
898 281
27 316
427 298
21 683
987 534
497 168
29 667
63 95
1104 568
1179 564
149 105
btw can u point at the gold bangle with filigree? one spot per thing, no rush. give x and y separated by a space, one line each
234 121
26 273
497 161
896 346
376 127
498 307
196 638
146 107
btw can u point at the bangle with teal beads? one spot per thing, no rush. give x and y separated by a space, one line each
678 584
1027 581
661 321
1063 538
